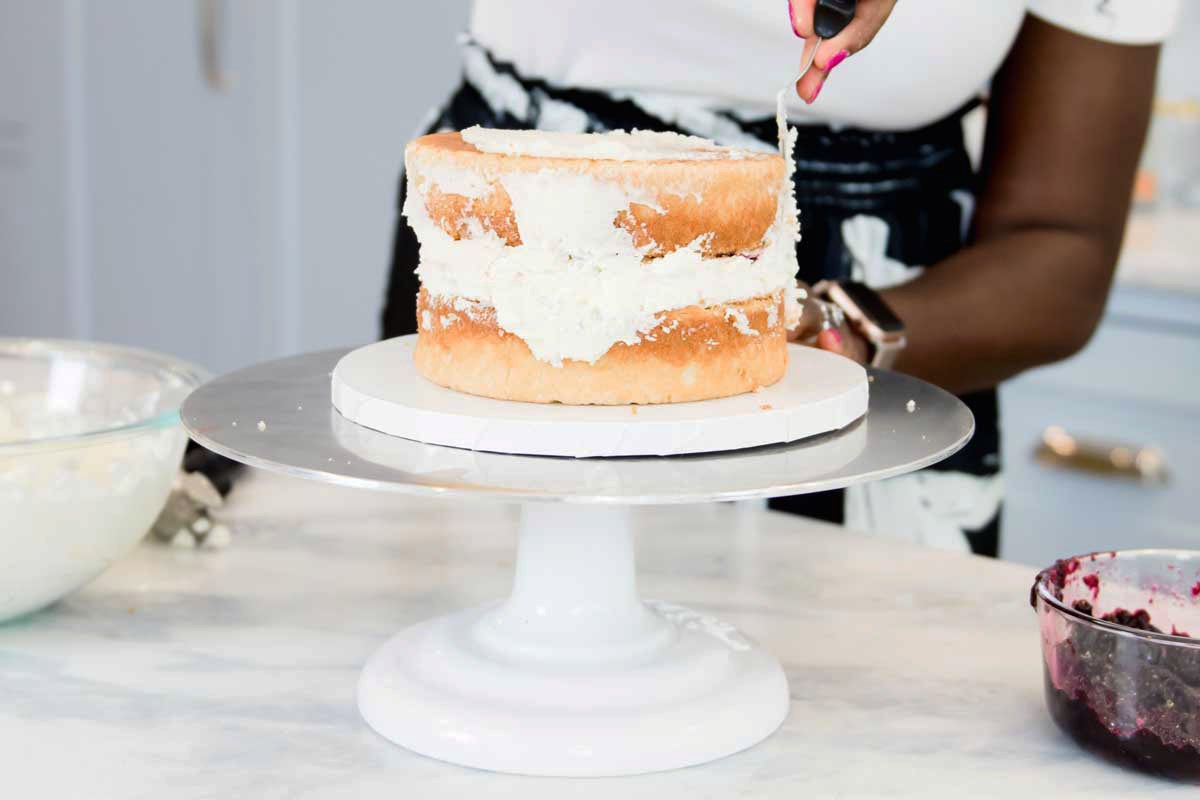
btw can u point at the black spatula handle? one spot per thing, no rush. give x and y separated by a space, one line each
832 16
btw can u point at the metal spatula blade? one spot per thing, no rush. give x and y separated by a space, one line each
830 17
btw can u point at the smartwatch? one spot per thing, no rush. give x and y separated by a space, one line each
869 315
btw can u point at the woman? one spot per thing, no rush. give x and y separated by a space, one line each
992 270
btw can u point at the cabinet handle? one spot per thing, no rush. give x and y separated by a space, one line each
214 24
1060 449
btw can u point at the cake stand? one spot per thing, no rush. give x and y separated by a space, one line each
573 674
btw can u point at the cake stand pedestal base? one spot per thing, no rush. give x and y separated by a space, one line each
573 674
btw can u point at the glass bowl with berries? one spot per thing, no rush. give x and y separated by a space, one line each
1122 673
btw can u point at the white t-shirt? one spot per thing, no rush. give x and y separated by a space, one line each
929 58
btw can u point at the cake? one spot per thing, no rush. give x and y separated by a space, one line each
604 268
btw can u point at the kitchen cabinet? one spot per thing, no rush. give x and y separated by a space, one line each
209 178
1136 384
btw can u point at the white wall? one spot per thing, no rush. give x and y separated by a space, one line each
367 80
34 259
139 204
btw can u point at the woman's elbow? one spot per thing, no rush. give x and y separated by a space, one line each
1074 336
1075 323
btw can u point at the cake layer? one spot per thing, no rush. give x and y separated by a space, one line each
720 200
579 309
577 254
693 353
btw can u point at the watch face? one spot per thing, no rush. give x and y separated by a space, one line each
873 306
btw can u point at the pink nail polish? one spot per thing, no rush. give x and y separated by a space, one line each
792 19
837 335
838 58
816 92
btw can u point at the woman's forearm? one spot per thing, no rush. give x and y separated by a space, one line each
1015 301
1066 122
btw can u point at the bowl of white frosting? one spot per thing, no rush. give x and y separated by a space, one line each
90 443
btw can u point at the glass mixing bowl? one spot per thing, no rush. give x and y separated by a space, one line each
1122 675
90 443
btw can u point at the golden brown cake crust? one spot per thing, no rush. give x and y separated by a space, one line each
730 202
694 354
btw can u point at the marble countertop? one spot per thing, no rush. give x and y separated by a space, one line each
231 673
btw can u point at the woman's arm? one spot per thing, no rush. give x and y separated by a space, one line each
1066 123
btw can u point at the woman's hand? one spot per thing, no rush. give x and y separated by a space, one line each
817 328
868 19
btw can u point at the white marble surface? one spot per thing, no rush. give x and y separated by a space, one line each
194 674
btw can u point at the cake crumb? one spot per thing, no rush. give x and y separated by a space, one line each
633 410
766 407
910 406
262 426
870 379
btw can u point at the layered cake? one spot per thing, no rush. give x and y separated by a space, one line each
600 268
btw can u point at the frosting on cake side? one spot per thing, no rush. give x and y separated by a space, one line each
578 281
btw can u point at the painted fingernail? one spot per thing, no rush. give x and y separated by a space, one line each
838 58
830 340
816 92
792 20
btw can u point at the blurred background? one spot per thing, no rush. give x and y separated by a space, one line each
216 180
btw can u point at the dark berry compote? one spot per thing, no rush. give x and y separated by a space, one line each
1120 686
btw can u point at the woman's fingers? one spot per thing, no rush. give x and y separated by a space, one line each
830 339
815 330
812 320
801 13
844 341
868 20
869 17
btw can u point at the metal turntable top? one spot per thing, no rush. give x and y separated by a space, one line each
278 416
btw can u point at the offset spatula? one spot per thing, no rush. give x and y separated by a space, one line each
830 18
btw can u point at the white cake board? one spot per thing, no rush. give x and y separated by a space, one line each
378 387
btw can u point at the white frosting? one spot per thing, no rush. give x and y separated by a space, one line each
577 285
67 511
788 217
612 145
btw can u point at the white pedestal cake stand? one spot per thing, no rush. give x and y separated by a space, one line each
573 674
